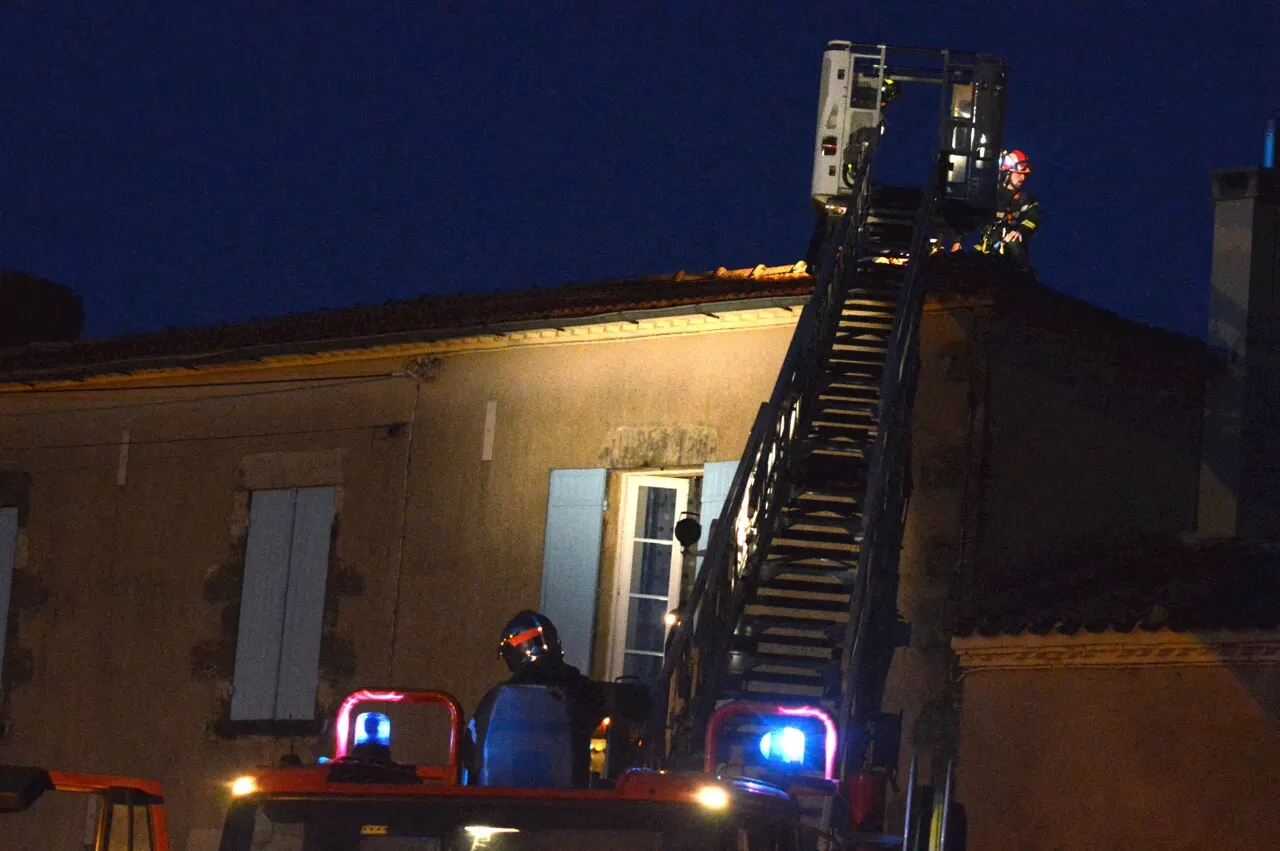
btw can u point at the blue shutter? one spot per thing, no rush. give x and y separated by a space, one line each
304 605
571 559
262 599
286 563
8 549
717 478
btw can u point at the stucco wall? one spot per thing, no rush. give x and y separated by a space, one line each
122 628
1181 758
946 444
123 590
1080 449
478 526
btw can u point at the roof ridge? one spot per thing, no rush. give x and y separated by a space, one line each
428 312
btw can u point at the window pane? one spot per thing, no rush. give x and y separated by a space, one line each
276 835
141 829
119 838
656 513
425 825
645 627
651 568
644 667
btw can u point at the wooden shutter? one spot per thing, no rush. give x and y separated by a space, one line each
8 551
282 604
304 605
717 478
571 559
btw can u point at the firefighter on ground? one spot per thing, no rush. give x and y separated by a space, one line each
530 645
1017 212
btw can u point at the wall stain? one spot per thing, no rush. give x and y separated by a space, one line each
630 447
943 468
27 592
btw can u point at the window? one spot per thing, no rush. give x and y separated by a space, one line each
8 552
464 823
650 569
282 605
129 827
646 555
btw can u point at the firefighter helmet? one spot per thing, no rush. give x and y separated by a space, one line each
888 92
529 637
1015 161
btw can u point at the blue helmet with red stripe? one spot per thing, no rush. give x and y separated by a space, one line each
530 637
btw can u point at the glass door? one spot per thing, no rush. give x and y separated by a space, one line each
649 568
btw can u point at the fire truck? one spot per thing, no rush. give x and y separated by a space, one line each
119 812
766 729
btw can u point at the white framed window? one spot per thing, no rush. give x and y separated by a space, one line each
286 568
649 572
574 539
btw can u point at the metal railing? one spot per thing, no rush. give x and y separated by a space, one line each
697 646
873 604
885 501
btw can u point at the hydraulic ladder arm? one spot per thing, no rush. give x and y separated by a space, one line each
796 601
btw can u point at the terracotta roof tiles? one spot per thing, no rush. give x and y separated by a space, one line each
430 316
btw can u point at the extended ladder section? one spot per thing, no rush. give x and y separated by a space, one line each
796 601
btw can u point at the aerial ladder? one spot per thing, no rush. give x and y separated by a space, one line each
796 601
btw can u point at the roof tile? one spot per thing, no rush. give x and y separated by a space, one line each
428 315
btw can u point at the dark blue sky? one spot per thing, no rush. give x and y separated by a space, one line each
189 163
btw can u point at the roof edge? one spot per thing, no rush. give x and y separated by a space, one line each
1137 649
378 345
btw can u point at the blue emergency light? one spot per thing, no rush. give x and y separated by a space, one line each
1269 143
785 745
373 728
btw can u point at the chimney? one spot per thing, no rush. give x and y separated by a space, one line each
1240 453
33 310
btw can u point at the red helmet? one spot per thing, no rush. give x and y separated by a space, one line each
1015 161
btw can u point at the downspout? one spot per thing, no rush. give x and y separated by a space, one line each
418 375
976 455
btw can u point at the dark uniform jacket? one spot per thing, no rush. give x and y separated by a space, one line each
588 704
1016 210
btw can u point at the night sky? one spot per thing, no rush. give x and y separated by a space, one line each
192 163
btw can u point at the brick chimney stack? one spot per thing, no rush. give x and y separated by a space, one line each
1240 460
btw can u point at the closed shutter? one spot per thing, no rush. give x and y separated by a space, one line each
571 558
8 550
281 604
717 478
304 605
